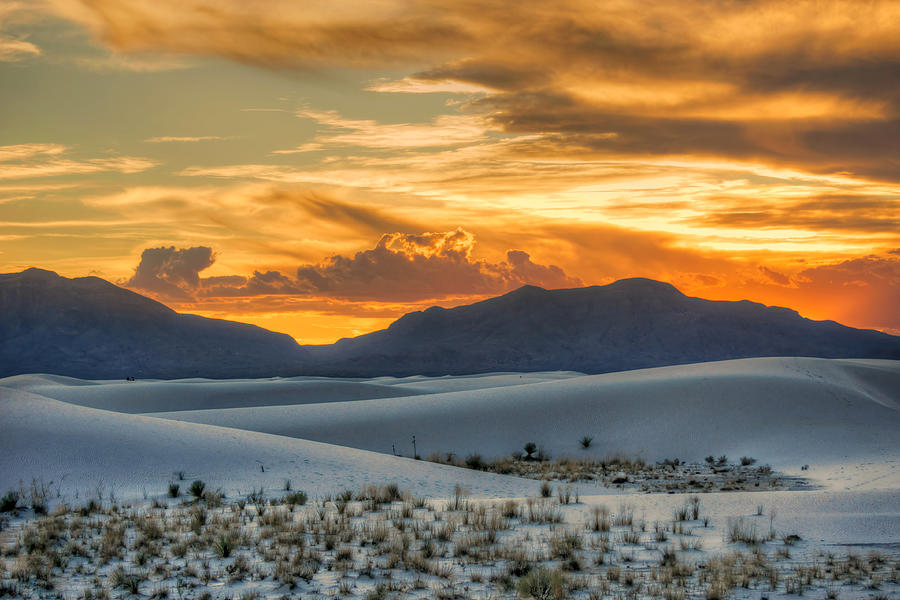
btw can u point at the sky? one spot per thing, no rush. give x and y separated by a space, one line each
321 168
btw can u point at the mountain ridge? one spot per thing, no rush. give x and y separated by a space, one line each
88 327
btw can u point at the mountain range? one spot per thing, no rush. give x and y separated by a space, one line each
89 328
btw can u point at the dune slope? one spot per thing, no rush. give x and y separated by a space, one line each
83 452
200 394
785 411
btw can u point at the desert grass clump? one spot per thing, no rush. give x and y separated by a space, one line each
225 544
739 530
293 499
625 516
112 542
543 584
600 519
694 502
546 489
10 501
586 441
476 462
197 488
540 511
130 582
174 490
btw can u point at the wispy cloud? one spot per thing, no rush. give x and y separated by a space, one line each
12 49
26 161
115 61
201 138
443 131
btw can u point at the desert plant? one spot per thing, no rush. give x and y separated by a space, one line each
130 582
546 489
586 441
174 490
197 488
542 584
9 501
475 461
225 545
296 499
740 530
746 461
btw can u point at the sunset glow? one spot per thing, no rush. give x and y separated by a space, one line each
321 168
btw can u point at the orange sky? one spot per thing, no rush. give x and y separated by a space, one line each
321 168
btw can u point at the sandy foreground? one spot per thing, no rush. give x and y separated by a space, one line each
835 422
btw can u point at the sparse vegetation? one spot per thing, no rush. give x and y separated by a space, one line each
381 542
669 475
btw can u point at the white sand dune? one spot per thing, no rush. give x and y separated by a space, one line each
460 383
200 394
839 416
784 411
80 450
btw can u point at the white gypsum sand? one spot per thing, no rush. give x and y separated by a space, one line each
839 416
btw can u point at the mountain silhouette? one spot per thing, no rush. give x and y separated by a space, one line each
629 324
89 328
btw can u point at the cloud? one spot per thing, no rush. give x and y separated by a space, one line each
26 161
12 49
171 273
269 283
279 224
445 130
775 276
201 138
400 268
313 34
811 85
407 267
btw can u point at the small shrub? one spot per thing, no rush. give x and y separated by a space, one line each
542 584
475 461
225 545
546 490
586 441
530 448
174 490
9 501
197 488
128 581
746 461
741 531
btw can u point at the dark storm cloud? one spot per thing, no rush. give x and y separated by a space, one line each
171 272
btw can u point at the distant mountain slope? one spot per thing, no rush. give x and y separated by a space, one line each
629 324
90 328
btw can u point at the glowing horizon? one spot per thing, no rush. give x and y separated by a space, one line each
322 170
